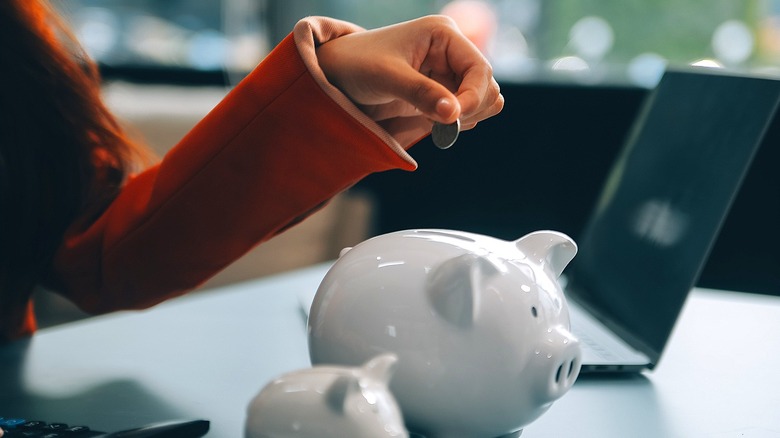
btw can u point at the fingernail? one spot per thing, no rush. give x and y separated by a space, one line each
445 108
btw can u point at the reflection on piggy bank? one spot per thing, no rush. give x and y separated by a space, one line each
480 326
328 402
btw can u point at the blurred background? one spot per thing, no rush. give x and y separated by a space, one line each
574 74
585 40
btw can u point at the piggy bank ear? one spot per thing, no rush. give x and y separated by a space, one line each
550 249
453 287
338 392
380 368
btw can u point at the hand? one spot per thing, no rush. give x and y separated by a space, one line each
424 68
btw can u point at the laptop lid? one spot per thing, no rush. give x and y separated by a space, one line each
665 200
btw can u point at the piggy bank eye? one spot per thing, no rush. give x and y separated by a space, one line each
534 312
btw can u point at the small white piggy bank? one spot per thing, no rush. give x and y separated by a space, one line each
480 326
328 402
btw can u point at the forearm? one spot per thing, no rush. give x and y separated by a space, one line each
278 146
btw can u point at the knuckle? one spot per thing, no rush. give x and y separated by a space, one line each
440 23
422 88
494 93
442 20
499 105
485 69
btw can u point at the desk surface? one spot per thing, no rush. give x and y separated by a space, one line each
207 355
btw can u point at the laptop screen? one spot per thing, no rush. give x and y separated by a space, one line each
666 198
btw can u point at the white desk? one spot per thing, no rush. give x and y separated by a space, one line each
206 356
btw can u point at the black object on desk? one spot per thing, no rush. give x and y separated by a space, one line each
18 427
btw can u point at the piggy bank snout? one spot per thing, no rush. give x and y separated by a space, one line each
563 349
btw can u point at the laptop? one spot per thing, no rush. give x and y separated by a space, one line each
660 211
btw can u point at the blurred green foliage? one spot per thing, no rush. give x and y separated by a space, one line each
680 30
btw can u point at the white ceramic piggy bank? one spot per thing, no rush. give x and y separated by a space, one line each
480 326
328 402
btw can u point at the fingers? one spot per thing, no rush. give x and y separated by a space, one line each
478 92
490 104
457 64
429 97
422 67
395 108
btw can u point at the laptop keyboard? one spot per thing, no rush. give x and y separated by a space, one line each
595 348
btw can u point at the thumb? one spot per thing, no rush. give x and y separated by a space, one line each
431 98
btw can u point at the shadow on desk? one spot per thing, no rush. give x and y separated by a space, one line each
107 406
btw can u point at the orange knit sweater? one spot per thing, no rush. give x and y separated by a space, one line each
281 144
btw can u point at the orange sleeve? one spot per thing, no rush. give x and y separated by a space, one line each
277 147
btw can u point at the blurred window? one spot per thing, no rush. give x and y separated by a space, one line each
171 40
588 41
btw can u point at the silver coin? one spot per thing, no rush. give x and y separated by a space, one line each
443 135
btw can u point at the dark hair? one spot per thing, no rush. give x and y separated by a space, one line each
62 153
